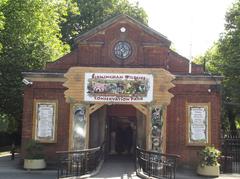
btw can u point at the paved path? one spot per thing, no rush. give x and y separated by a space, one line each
10 169
123 168
113 168
118 167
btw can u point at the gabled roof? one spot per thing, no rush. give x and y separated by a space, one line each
113 20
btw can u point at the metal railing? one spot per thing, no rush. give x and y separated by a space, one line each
79 163
230 162
155 164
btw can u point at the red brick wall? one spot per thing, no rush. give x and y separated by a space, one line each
176 120
147 57
144 56
176 117
47 91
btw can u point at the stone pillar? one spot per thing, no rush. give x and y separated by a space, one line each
80 127
158 128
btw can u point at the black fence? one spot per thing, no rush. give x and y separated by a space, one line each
154 164
230 162
9 139
79 163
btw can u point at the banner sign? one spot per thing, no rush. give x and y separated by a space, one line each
118 87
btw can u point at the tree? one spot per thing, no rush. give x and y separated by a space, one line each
224 58
32 32
2 18
230 57
30 37
210 60
95 12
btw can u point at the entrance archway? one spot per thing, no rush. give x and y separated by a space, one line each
145 89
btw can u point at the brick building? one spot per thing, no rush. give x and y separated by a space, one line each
122 73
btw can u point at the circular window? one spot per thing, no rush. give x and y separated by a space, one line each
122 50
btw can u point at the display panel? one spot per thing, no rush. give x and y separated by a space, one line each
45 116
198 124
119 88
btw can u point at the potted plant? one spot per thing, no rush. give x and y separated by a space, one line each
34 158
209 165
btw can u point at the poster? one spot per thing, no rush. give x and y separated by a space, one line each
198 124
118 87
45 121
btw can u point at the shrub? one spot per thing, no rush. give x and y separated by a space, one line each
209 156
34 150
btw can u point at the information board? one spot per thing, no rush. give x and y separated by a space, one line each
198 122
45 121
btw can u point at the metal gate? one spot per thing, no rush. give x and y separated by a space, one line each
231 152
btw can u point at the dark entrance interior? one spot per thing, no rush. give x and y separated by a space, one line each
122 130
121 127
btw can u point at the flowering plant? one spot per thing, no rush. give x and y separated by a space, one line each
209 156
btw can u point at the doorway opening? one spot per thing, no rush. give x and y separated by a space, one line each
121 127
122 130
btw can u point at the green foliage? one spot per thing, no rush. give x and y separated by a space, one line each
209 156
230 53
211 58
34 150
95 12
237 122
8 124
31 36
33 32
224 58
33 26
2 18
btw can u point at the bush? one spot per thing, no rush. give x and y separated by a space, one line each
209 156
34 150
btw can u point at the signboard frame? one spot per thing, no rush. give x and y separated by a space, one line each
202 125
38 104
75 83
118 87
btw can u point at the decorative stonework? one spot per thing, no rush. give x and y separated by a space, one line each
157 128
78 127
122 50
161 97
